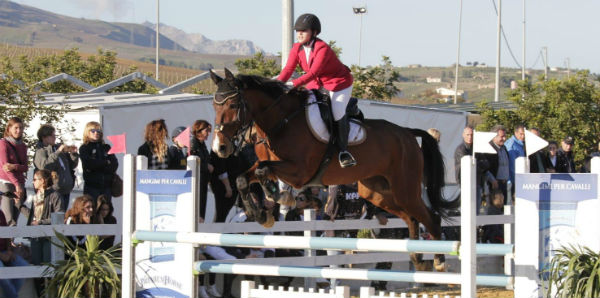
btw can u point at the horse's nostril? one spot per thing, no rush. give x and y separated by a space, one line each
222 148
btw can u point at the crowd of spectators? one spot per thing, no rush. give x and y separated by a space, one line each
54 165
495 173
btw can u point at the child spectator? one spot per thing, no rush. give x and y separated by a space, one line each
82 212
104 215
99 167
58 158
45 202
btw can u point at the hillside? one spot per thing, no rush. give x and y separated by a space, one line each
28 26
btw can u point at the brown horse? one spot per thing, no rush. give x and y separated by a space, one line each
391 165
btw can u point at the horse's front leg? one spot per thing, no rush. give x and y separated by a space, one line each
268 182
252 203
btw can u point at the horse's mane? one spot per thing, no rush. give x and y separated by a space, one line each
273 88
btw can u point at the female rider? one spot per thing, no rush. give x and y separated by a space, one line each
322 69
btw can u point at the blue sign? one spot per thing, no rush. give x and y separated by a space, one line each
556 187
164 181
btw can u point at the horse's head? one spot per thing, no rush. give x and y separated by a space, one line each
231 113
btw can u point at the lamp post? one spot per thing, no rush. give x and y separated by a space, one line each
157 35
360 11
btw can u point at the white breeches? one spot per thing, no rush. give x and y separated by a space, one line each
339 101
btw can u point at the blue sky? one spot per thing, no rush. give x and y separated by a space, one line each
422 31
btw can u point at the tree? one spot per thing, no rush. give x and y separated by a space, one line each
99 69
558 108
375 82
258 65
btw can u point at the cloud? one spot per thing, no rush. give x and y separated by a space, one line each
99 9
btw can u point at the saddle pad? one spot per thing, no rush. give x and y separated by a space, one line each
357 133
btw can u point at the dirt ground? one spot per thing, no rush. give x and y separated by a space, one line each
485 292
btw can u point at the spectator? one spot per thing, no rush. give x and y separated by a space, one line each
552 156
496 177
564 156
436 134
155 146
515 146
45 202
177 152
201 130
587 162
8 258
82 212
538 161
57 158
13 160
104 215
99 167
465 148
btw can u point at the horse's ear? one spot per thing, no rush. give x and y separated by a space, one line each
215 78
229 75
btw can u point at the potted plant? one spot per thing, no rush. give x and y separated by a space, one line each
86 271
574 272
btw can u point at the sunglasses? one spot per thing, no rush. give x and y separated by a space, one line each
301 198
94 130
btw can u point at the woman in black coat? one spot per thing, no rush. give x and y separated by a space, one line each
201 130
99 167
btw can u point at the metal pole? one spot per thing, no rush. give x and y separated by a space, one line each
546 63
287 32
523 71
360 38
157 34
497 91
458 54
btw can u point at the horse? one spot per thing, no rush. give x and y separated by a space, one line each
391 164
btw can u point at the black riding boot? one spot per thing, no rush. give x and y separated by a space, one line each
343 127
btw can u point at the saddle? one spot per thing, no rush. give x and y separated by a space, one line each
323 131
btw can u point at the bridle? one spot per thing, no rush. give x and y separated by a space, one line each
238 139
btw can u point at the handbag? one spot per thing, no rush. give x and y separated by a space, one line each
116 187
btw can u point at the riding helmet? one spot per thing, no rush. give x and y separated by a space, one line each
308 21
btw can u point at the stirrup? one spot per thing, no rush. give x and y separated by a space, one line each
346 159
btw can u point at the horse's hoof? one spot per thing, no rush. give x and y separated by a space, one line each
261 172
286 199
439 266
439 263
426 265
269 221
241 183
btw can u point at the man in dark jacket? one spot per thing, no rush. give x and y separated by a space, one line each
564 156
496 176
465 148
538 161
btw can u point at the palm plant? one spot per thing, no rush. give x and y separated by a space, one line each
86 272
575 272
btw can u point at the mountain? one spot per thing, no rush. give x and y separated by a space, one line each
29 26
198 43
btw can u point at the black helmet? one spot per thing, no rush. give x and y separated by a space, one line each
308 21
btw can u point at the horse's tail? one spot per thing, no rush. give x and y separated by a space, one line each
434 174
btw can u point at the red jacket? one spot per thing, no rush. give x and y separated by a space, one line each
324 69
8 155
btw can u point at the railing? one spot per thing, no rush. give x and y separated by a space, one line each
248 227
